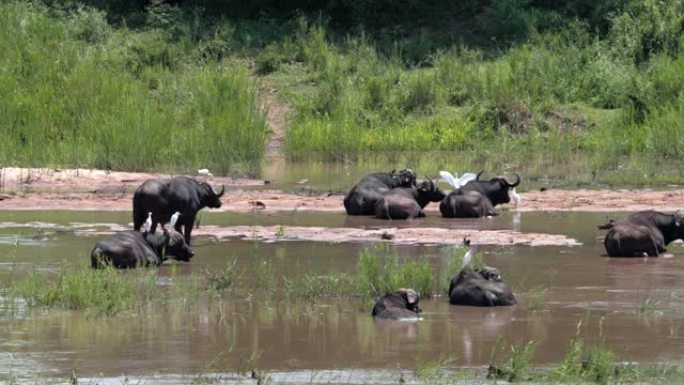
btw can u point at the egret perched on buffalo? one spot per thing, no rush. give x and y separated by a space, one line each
454 180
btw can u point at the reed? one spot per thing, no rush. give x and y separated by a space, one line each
373 281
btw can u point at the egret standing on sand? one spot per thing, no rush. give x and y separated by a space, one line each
204 172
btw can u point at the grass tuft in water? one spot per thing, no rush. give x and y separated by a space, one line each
105 291
373 281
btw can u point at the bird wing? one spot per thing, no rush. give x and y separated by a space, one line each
465 178
448 178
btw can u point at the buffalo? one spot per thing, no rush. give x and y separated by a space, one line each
407 202
477 198
129 249
362 198
402 304
480 287
468 204
164 197
645 233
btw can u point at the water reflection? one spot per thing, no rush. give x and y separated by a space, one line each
635 304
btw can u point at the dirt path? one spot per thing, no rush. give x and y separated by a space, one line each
276 114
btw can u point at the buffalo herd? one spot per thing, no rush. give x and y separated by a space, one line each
385 195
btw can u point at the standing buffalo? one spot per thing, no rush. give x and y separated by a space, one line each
402 304
129 249
407 202
477 198
480 287
645 233
164 197
362 198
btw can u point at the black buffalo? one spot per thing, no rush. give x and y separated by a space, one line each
477 198
468 204
164 197
129 249
645 233
407 202
362 198
480 287
402 304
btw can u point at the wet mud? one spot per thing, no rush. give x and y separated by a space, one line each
97 190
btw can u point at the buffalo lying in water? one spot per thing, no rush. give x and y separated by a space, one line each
129 249
407 202
402 304
164 197
480 287
362 198
477 198
645 233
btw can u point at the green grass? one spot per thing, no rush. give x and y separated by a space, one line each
502 85
106 291
374 279
80 93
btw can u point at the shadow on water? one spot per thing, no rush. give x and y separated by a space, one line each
637 305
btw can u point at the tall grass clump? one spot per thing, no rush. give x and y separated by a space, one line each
374 279
519 366
80 93
105 291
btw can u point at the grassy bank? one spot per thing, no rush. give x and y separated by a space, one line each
79 92
156 86
558 93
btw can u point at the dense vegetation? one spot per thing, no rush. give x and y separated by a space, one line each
78 92
598 81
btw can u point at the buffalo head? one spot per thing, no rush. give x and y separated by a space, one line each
405 177
176 247
412 298
428 191
212 198
402 304
496 189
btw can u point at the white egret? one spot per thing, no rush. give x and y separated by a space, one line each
468 257
174 219
455 181
204 172
148 222
515 197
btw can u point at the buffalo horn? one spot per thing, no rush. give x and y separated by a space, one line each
479 174
517 181
223 189
432 183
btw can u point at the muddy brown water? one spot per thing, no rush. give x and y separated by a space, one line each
636 306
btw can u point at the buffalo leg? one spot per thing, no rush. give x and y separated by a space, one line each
187 228
153 228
